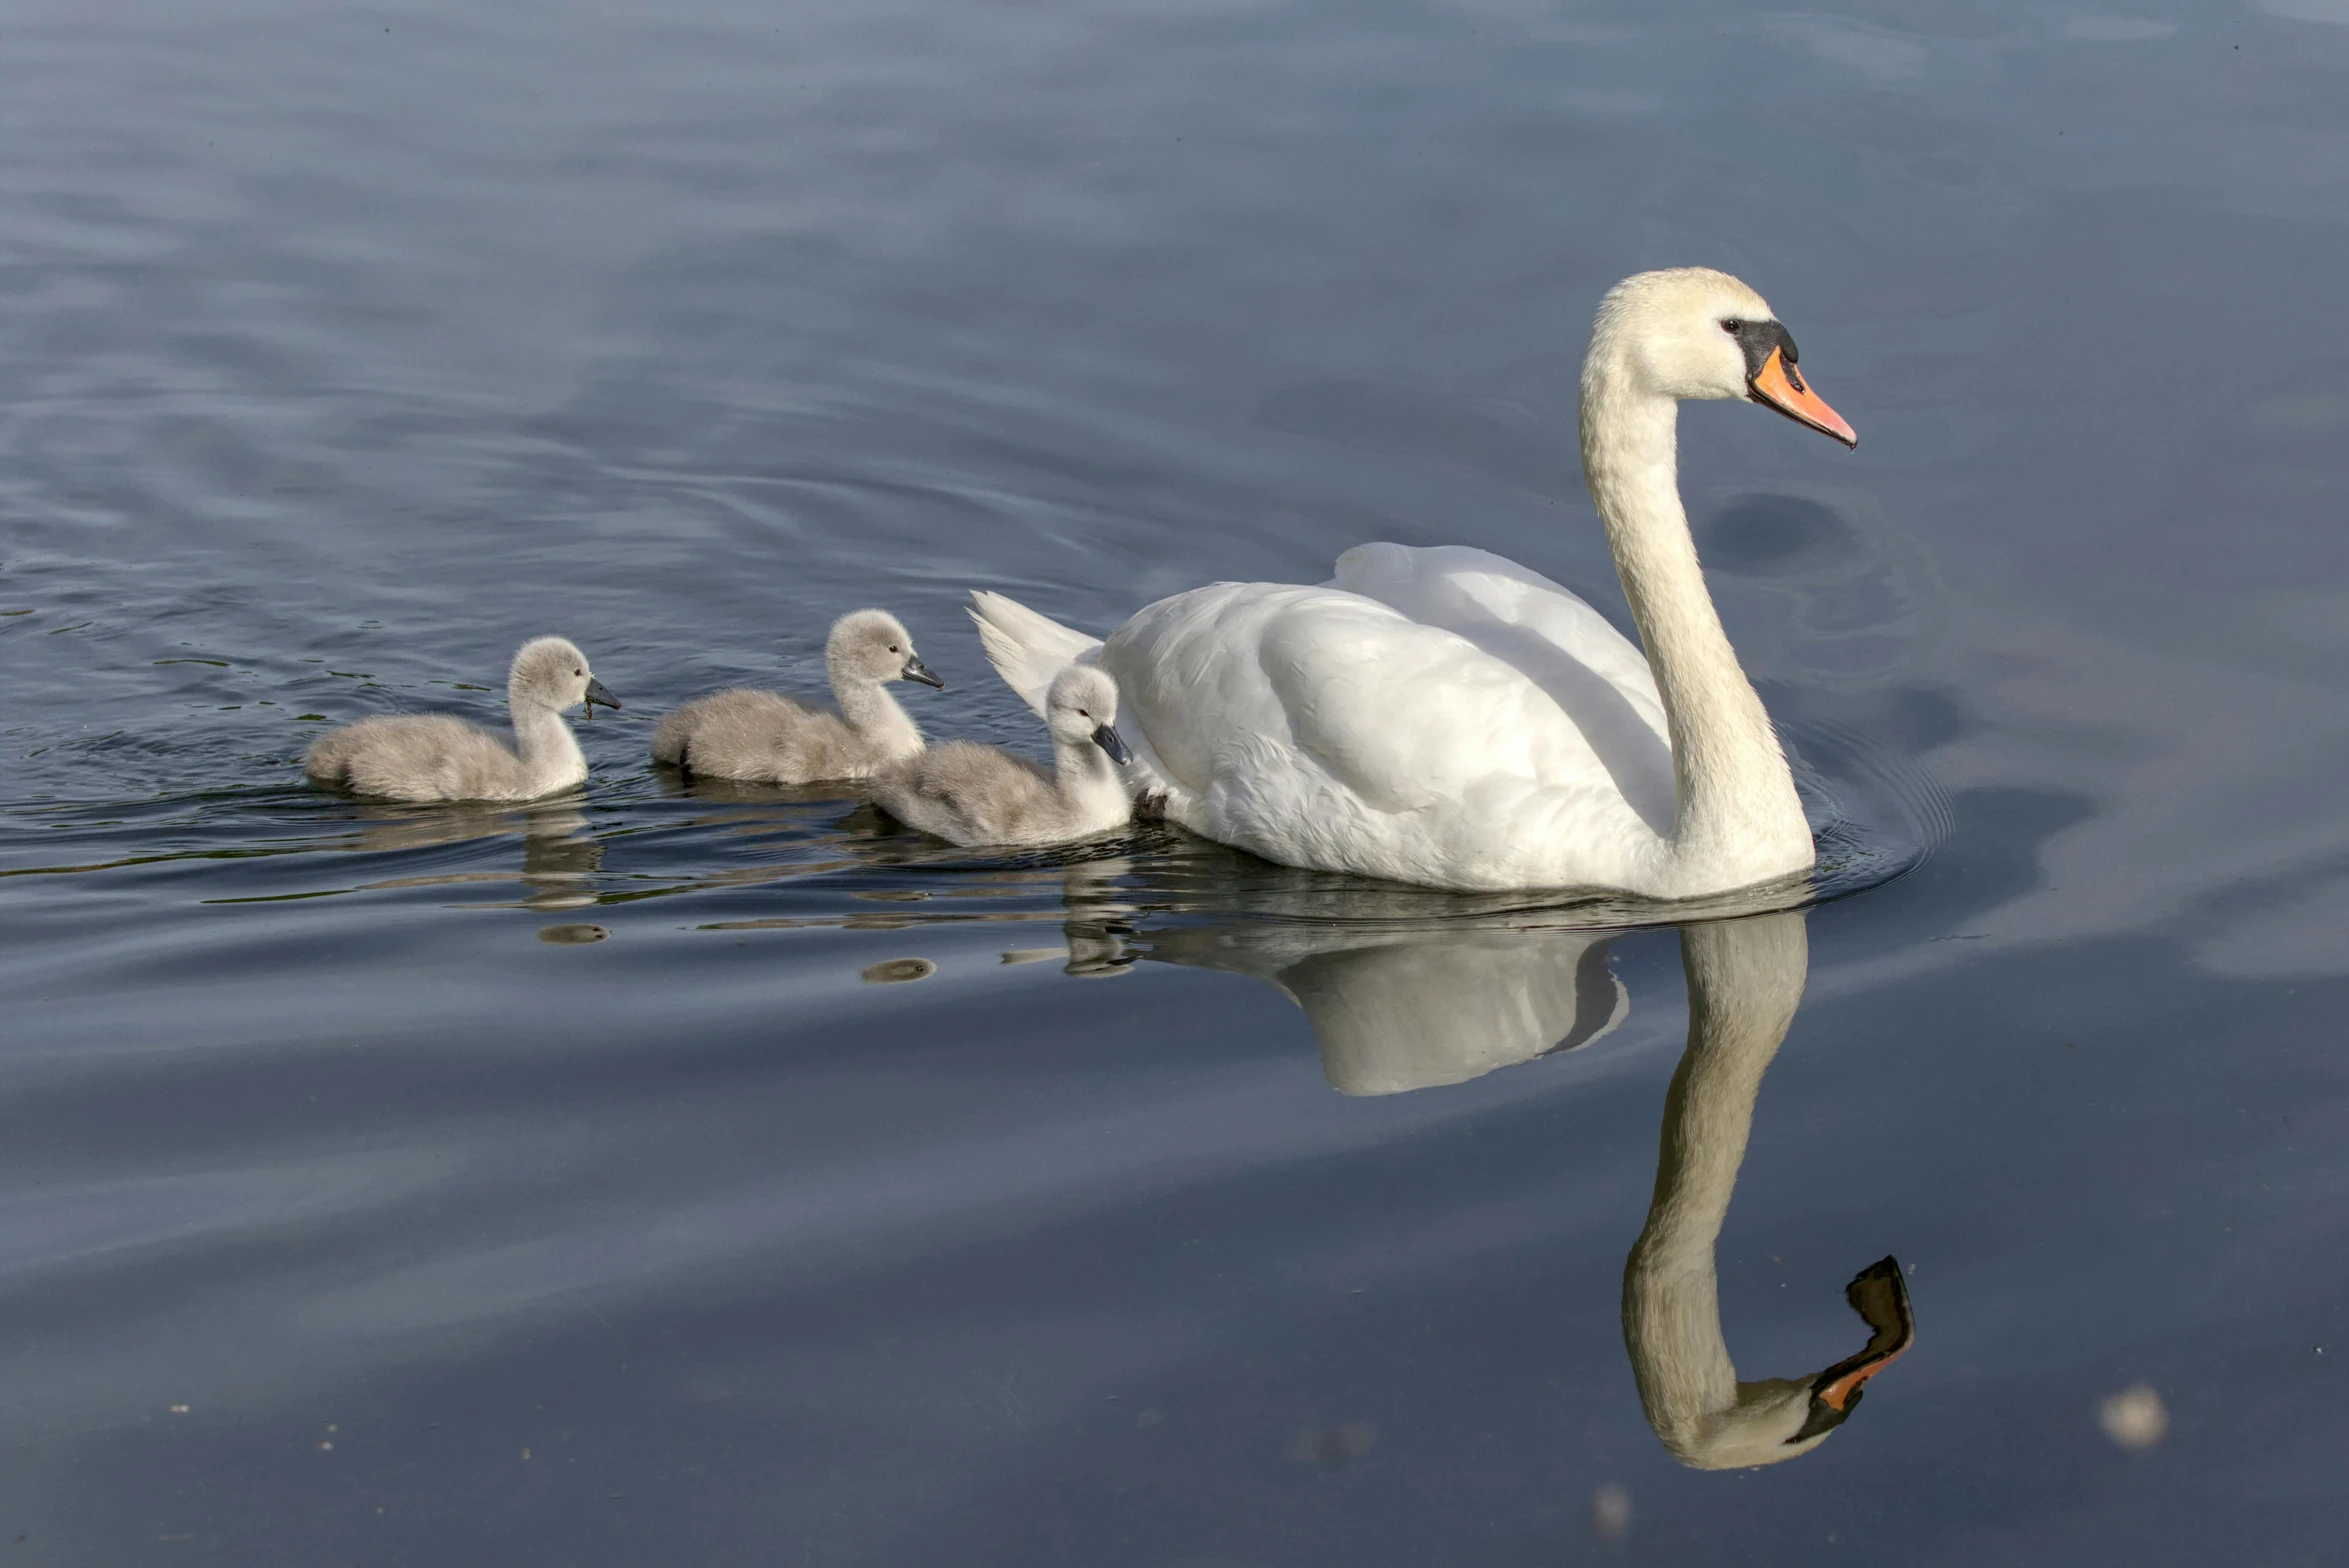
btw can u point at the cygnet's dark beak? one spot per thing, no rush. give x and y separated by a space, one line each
598 692
916 670
1106 739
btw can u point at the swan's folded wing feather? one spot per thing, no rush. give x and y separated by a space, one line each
1599 678
1317 727
1027 649
1404 715
1483 596
1261 687
1188 678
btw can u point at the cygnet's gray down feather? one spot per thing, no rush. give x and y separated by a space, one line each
420 756
764 736
433 756
972 794
768 738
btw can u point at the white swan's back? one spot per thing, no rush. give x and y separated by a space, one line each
1595 674
1318 727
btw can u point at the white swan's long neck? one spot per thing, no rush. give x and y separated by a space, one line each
550 752
872 711
1735 803
1745 980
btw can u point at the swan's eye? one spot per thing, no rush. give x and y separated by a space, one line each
1730 327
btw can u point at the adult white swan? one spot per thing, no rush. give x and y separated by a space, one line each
1447 717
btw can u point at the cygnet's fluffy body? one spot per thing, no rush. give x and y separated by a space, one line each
766 737
971 794
434 756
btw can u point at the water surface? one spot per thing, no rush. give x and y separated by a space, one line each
702 1174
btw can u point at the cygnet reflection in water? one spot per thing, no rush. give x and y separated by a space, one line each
1745 980
560 858
1096 936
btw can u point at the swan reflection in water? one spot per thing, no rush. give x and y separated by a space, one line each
1745 979
1418 1008
1417 1004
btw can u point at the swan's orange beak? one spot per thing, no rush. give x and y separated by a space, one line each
1780 386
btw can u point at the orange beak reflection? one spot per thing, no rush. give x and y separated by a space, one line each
1781 386
1881 1297
1843 1390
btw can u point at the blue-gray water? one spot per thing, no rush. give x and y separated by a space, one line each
358 1205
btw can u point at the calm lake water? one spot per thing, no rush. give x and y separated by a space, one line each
687 1175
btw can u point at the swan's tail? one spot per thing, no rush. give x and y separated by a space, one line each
1027 649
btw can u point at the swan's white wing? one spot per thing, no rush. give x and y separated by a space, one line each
1467 589
1239 684
1027 649
1319 727
1403 714
1596 674
1461 722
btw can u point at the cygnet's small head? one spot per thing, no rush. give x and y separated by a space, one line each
873 646
1081 707
1692 332
551 673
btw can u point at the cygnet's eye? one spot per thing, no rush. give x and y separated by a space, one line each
579 672
1082 714
893 648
